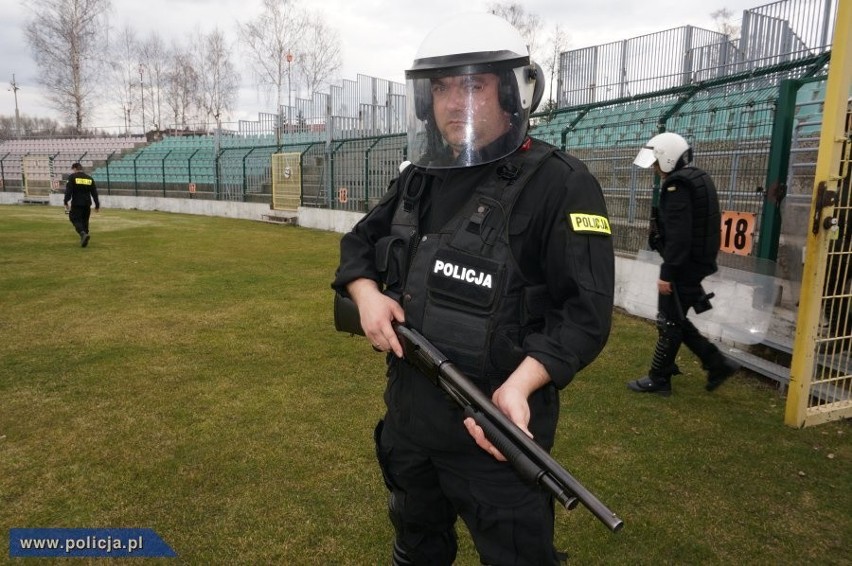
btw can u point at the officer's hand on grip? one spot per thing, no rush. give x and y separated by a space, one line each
378 313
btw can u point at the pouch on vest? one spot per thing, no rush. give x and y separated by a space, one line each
390 258
462 289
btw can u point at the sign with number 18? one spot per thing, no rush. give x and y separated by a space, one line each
738 232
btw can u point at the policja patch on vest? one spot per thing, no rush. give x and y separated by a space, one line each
81 181
590 223
463 278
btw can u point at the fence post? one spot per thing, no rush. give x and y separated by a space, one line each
245 173
3 172
136 174
109 182
189 165
366 205
163 169
776 175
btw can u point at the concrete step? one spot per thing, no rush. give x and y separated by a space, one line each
764 367
35 200
281 217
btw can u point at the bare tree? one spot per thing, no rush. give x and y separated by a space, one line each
319 57
30 126
725 23
268 39
558 44
182 85
528 24
154 58
65 38
218 78
123 67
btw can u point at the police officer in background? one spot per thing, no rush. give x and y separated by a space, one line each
497 248
687 236
80 192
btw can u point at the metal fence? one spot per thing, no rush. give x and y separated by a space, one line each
730 121
358 172
367 106
720 94
776 33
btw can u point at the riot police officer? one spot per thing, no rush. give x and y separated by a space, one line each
687 236
497 248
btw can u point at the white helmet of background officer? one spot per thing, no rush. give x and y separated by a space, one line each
468 130
670 151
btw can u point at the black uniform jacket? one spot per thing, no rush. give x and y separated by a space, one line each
81 190
689 225
551 246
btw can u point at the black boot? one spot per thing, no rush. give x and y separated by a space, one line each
718 372
662 386
659 382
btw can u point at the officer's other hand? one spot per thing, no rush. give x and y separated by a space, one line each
513 403
512 399
664 287
479 437
378 313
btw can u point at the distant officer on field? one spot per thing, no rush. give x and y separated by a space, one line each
686 235
80 192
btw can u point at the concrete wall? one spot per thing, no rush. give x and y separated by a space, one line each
331 220
319 218
744 307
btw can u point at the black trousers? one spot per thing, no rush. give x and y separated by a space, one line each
436 473
79 217
675 328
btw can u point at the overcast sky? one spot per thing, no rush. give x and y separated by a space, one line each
378 37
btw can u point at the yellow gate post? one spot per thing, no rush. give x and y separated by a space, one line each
827 179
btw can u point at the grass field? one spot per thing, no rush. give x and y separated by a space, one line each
182 374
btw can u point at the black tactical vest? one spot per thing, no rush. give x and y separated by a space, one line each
706 219
461 287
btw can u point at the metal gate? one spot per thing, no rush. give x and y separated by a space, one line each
821 369
286 181
38 176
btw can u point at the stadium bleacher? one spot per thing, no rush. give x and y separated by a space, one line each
181 160
59 154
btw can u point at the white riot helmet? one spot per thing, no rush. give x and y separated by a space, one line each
470 92
670 150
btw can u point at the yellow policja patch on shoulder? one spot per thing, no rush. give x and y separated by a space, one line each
590 223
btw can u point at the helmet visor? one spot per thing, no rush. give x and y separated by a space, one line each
465 119
645 158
